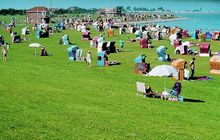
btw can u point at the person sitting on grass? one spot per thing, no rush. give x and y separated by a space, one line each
44 52
149 43
131 40
148 90
150 93
106 59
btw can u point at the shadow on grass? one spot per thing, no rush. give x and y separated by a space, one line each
70 43
201 78
185 99
152 47
193 100
125 51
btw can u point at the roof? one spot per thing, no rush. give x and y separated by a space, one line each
215 58
179 63
38 9
204 45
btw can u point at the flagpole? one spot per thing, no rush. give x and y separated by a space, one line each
37 16
164 86
35 51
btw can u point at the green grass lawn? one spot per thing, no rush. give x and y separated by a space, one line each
54 98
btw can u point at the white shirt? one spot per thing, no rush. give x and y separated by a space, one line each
88 56
186 73
4 51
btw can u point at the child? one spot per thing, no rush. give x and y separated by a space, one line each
89 59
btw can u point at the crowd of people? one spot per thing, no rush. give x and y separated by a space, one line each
149 31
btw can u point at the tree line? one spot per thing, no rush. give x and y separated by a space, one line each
69 10
77 10
73 10
12 11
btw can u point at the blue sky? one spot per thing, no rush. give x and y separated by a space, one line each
167 4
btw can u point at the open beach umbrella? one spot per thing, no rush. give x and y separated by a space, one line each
35 45
163 71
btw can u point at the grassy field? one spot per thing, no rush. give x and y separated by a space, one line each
54 98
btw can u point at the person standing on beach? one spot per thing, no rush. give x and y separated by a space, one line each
4 54
89 59
192 67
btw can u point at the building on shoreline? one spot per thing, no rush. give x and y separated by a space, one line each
38 15
111 11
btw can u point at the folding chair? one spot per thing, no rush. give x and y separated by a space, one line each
140 88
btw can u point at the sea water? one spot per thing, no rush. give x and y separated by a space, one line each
203 21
